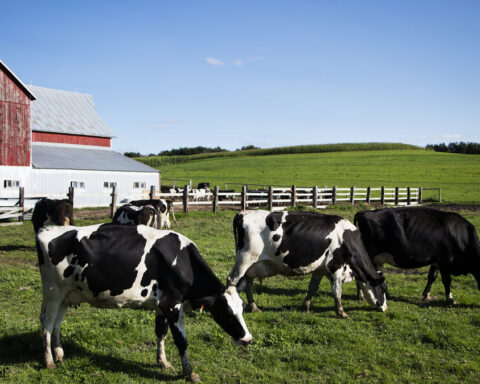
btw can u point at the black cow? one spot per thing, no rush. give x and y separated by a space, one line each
52 212
413 237
114 266
205 186
295 243
131 214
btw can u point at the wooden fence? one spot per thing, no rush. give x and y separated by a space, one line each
277 198
16 211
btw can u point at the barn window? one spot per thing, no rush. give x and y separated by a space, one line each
139 185
11 183
109 184
78 184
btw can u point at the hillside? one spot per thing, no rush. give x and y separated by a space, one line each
458 175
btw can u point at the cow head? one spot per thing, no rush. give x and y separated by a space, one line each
227 310
376 295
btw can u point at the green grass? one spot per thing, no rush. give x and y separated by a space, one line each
411 342
457 175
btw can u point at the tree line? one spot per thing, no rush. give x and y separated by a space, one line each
461 147
184 151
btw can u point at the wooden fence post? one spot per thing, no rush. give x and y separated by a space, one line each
244 197
439 195
409 196
70 194
315 197
294 196
113 205
21 202
270 198
396 196
352 195
215 199
334 195
382 195
369 193
185 198
152 192
419 195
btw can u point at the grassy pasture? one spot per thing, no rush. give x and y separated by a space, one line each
411 342
457 175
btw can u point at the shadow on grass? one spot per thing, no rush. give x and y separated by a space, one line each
277 291
27 348
12 248
433 303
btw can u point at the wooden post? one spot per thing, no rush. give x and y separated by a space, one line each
369 193
70 194
396 196
352 195
113 206
334 195
215 199
270 198
21 202
382 195
409 196
419 195
185 198
315 197
152 192
244 197
439 195
294 196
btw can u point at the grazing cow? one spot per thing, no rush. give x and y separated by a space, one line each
227 194
163 208
115 266
413 237
294 243
131 214
52 212
205 186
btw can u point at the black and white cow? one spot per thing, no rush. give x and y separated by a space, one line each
163 207
413 237
294 243
114 266
133 215
52 212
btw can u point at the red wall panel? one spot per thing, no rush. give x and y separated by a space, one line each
48 137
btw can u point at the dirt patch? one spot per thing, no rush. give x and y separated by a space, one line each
92 214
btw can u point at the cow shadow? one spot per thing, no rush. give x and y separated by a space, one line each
260 289
439 302
12 248
27 348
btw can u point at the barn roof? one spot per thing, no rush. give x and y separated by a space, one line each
66 112
16 80
54 156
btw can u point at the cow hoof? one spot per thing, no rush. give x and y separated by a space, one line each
427 297
51 365
254 308
194 378
166 366
451 302
306 306
342 315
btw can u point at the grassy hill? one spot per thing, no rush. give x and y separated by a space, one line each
458 175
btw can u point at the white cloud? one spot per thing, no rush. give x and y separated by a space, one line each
239 63
213 61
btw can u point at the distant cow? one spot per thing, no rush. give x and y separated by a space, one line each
163 208
205 186
52 212
413 237
131 214
294 243
115 266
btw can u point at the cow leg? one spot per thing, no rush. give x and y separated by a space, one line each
337 295
161 330
312 289
259 270
56 344
50 309
447 280
360 295
177 327
432 275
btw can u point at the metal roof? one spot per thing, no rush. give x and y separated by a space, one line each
16 80
66 112
72 157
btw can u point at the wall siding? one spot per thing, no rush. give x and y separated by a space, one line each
48 137
15 137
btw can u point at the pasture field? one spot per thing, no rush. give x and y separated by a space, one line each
412 342
457 175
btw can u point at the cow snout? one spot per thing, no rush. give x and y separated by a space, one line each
245 341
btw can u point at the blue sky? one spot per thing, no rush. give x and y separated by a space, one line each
168 74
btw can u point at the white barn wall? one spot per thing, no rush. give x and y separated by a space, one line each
53 183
